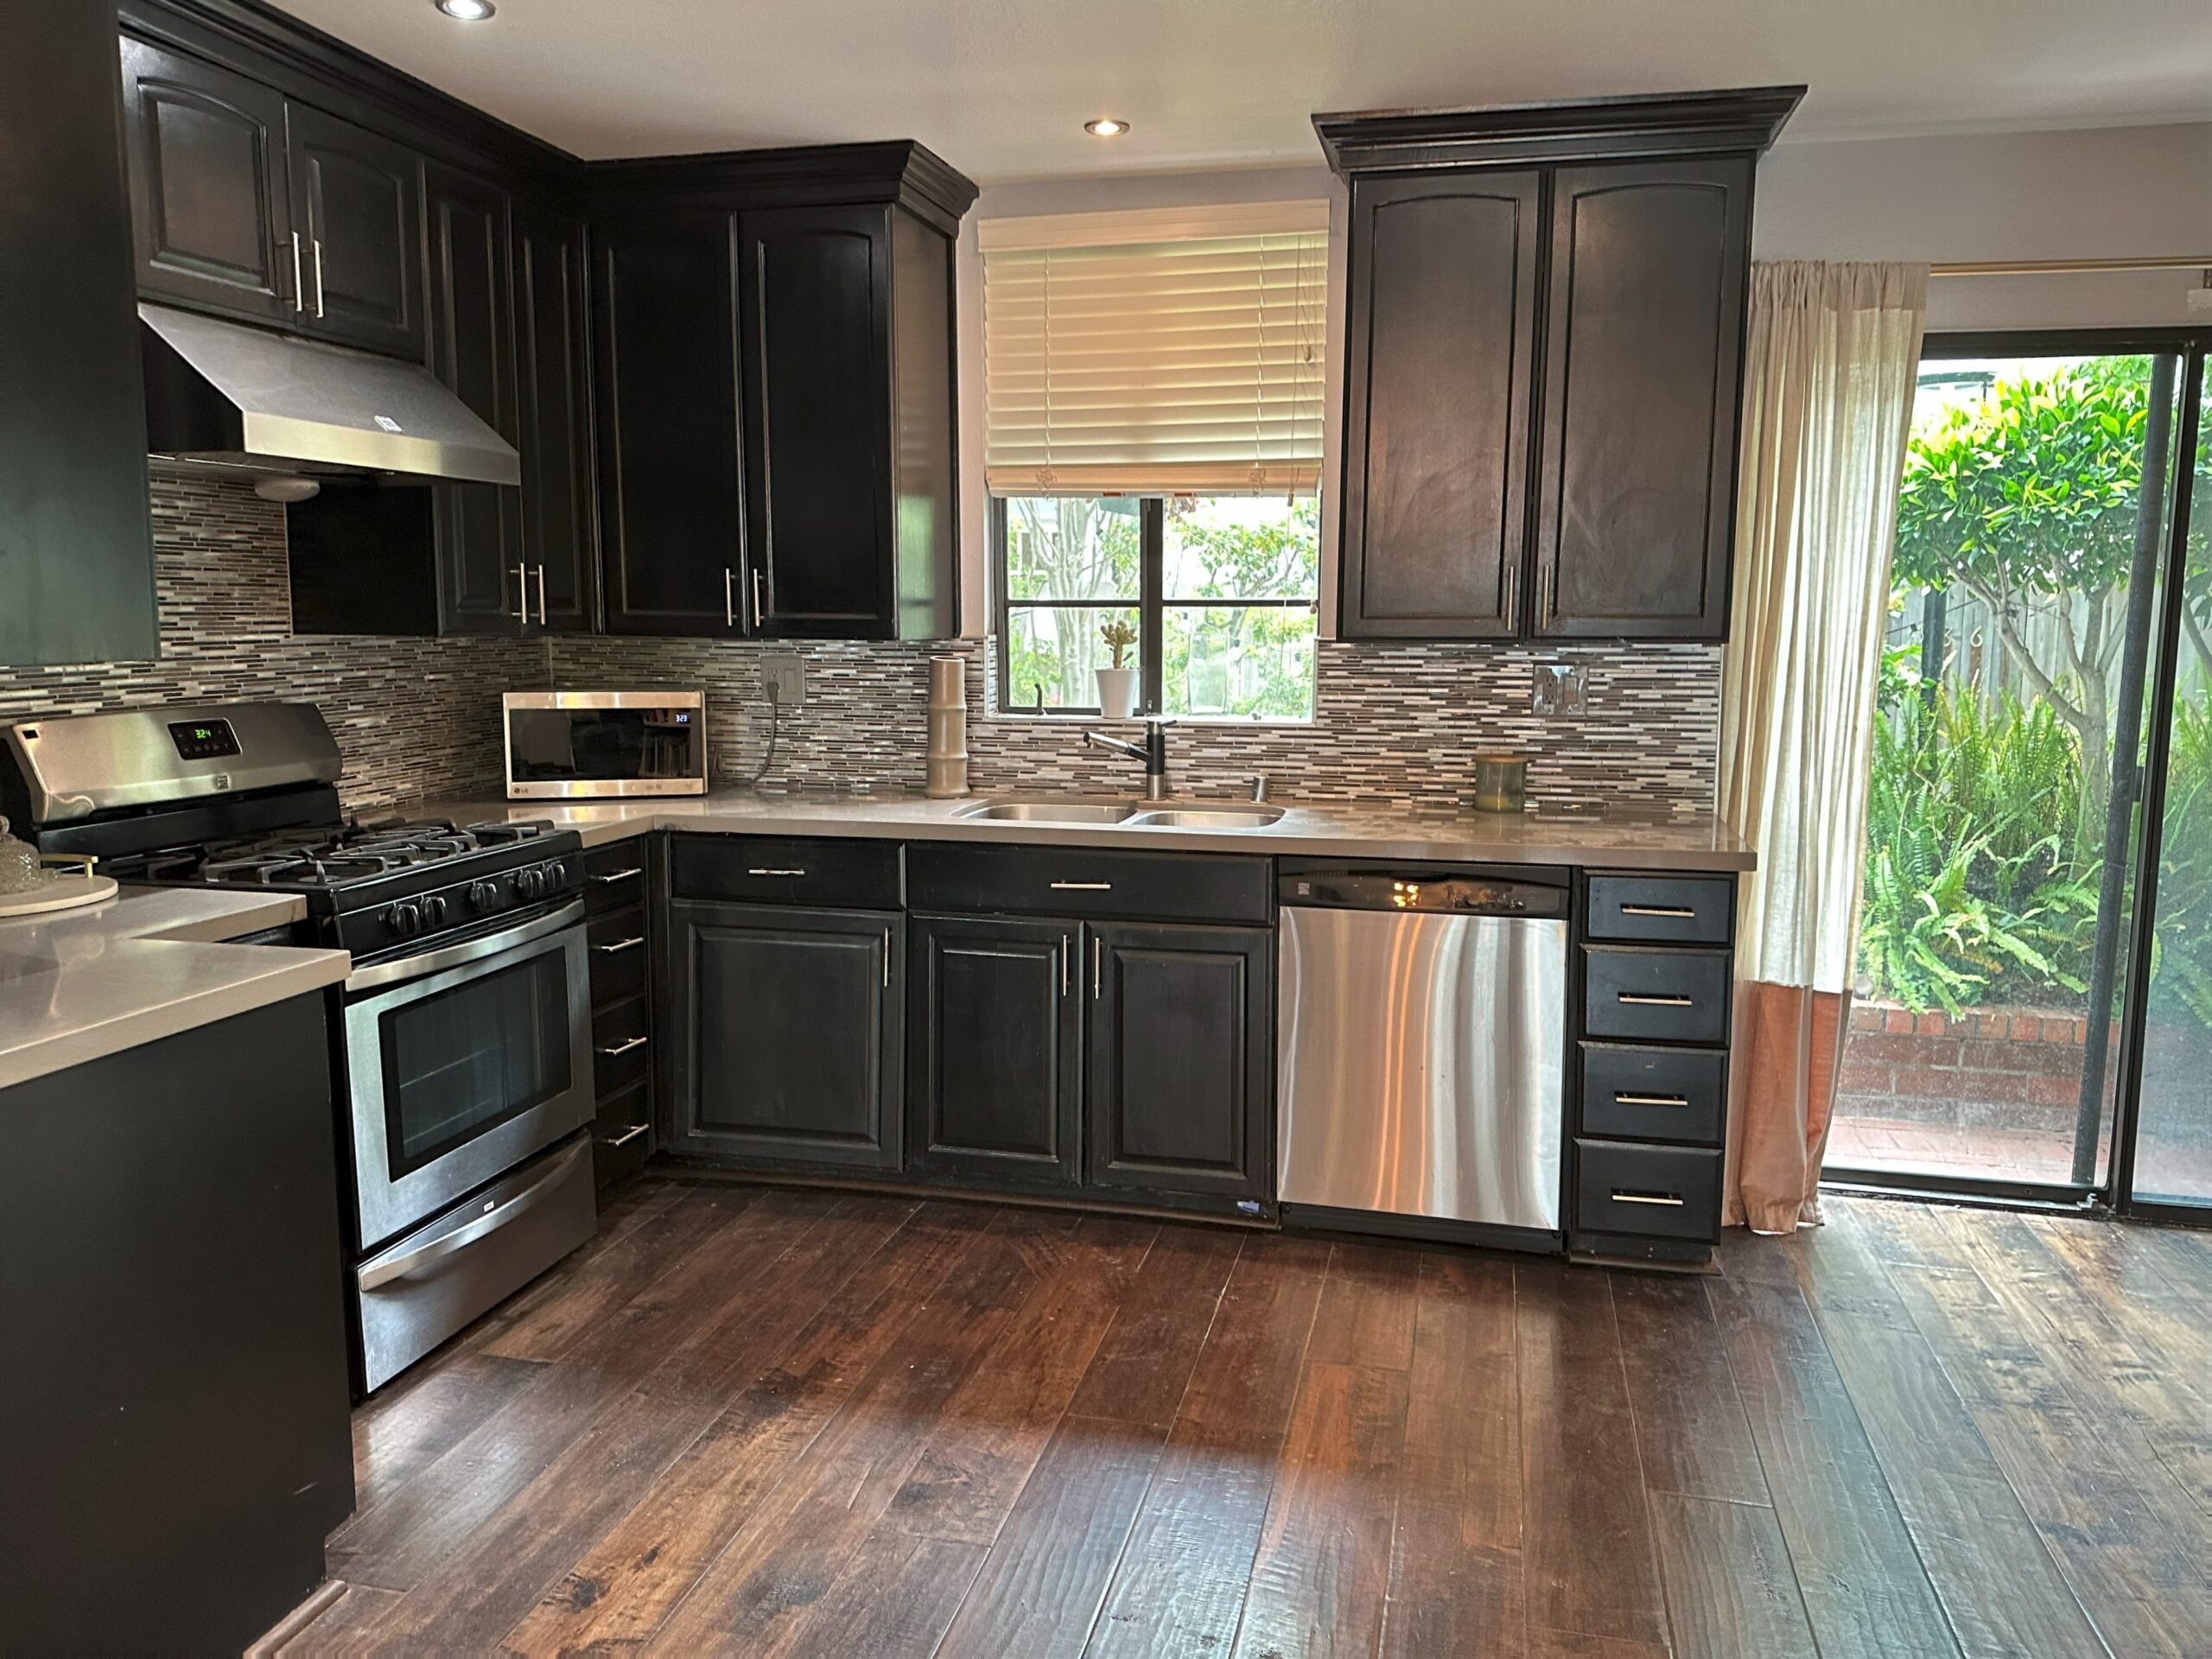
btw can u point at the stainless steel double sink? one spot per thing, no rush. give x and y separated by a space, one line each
1137 815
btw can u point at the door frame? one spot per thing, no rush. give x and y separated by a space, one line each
2111 1195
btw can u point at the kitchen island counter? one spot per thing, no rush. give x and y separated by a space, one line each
78 985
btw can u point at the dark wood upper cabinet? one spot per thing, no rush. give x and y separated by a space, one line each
996 1055
484 581
1178 1082
815 285
76 548
1546 311
1643 380
210 207
1438 377
671 497
828 1097
357 203
552 348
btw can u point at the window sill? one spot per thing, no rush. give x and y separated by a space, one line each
1067 718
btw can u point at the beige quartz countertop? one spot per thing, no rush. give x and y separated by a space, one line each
76 985
1697 842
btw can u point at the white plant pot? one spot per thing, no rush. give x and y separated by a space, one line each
1117 692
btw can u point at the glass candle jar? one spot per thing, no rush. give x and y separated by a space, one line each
1501 783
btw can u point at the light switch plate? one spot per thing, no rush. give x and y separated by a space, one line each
1561 690
783 673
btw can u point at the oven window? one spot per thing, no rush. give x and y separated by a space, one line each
462 1061
553 746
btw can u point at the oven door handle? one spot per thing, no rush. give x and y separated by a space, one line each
467 950
490 1221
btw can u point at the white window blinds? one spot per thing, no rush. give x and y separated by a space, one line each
1168 351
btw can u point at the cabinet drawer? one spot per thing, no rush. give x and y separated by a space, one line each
618 955
1664 996
1089 882
1664 1191
614 876
621 1045
1654 1094
840 874
1662 909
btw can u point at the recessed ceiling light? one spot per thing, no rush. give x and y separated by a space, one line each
1106 127
469 11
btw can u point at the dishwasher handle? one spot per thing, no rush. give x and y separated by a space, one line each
1534 894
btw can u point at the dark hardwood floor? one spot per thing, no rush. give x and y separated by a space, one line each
772 1421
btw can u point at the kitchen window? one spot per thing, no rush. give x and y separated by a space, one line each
1154 415
1222 593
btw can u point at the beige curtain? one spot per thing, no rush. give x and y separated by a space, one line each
1832 357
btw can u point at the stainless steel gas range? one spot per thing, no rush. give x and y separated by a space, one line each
461 1060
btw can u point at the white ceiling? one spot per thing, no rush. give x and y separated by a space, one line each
1000 88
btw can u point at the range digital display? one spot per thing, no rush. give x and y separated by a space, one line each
203 740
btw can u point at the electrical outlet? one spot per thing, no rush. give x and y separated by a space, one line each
783 675
1561 690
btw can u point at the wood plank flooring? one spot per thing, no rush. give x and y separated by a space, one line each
772 1421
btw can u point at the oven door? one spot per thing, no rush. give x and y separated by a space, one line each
463 1061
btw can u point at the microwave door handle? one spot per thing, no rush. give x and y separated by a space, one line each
466 951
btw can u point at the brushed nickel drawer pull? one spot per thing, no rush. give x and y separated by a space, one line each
775 872
1638 999
612 876
618 944
1620 1099
612 1049
1665 1199
1082 886
1682 912
629 1134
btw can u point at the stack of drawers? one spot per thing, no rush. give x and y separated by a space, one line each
615 886
1657 978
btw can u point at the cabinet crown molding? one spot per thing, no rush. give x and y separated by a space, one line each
1731 121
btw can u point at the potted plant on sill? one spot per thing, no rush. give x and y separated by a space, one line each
1117 686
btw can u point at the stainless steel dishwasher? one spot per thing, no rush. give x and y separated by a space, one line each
1420 1042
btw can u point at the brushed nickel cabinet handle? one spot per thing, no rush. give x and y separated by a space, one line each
1620 1099
612 1049
887 958
1067 950
618 944
1665 1200
729 597
318 276
1082 886
775 872
1098 967
1639 1000
299 283
541 595
629 1134
522 589
612 876
760 611
1680 912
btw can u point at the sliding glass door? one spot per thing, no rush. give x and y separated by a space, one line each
2037 674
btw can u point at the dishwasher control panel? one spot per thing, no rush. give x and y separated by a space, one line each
1447 892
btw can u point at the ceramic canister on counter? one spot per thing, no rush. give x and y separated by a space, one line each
947 716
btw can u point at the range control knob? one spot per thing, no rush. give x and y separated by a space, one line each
404 918
556 875
433 910
531 883
482 895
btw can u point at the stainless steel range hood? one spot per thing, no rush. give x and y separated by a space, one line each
224 393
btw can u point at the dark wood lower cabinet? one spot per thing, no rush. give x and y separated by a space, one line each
789 1026
1178 1060
996 1056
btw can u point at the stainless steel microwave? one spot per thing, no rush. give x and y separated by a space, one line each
580 744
